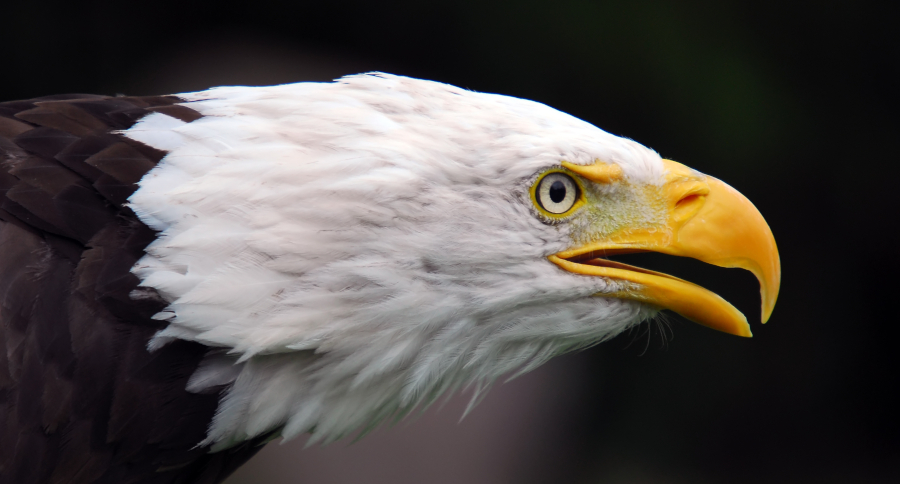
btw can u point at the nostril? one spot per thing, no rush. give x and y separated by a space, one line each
689 205
687 200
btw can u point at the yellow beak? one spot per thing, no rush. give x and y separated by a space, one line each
706 220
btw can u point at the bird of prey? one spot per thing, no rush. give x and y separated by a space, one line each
185 278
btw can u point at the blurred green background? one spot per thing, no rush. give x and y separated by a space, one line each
793 103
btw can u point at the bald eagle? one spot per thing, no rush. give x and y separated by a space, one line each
184 278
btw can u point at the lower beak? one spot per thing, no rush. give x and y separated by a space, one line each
707 220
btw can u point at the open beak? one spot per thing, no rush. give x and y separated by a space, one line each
706 220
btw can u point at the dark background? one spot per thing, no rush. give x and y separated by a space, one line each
794 104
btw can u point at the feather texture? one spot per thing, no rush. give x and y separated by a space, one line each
201 272
365 245
81 400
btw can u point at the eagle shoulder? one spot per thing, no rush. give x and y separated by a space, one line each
81 398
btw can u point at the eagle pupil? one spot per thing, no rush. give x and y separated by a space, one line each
557 191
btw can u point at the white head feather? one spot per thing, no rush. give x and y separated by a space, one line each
365 245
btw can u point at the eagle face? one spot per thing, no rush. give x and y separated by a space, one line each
355 249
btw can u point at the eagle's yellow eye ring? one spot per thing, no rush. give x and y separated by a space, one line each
556 194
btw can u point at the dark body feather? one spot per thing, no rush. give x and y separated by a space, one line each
81 398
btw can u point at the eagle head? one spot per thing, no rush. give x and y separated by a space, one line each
351 250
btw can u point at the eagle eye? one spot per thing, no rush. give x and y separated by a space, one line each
556 193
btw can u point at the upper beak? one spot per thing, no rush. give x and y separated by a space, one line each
706 220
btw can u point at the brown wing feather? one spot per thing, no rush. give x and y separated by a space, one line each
81 399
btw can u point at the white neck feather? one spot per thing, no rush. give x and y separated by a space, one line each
363 246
